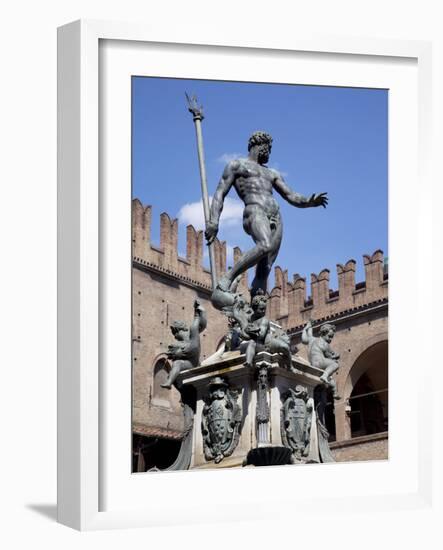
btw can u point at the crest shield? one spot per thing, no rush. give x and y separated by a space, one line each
296 417
220 421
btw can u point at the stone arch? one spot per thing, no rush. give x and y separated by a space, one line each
369 396
356 364
349 374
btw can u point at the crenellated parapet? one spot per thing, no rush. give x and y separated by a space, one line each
290 303
169 241
194 247
320 287
243 285
165 258
374 271
141 227
346 280
291 306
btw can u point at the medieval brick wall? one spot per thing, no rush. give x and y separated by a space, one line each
370 447
358 310
164 289
291 307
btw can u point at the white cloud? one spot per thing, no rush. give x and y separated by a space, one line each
192 213
227 157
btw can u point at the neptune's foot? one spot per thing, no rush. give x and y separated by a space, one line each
224 284
222 296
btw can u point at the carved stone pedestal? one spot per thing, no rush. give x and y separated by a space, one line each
261 415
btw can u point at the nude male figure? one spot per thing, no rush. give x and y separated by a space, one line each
254 183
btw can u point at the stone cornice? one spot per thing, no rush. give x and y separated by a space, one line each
359 440
343 316
155 431
144 265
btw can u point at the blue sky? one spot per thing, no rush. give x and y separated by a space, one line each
325 139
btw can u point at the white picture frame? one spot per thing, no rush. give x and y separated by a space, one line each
85 210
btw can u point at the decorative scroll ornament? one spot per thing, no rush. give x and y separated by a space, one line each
262 414
296 419
321 399
220 421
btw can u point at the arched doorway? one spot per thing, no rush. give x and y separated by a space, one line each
157 446
150 452
368 400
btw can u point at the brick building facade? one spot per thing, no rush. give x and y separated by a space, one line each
165 286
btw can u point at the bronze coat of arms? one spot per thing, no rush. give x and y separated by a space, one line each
296 419
220 421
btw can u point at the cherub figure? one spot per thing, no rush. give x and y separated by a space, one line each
185 352
255 327
321 355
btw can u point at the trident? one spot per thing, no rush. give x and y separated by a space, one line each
197 114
